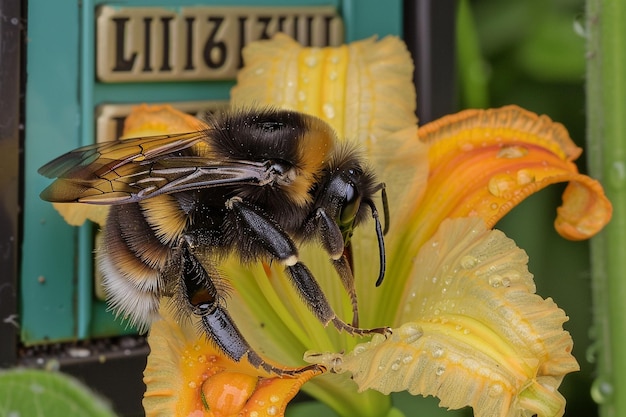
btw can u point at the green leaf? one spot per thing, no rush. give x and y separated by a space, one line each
37 393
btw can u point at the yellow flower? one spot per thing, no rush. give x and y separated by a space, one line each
467 324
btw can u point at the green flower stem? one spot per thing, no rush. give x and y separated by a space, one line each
606 112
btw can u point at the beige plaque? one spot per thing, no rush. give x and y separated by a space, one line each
143 44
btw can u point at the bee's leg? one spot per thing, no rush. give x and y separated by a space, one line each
204 300
279 245
333 242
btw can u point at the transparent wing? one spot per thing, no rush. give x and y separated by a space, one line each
130 170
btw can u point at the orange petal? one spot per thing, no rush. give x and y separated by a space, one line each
147 120
186 375
484 162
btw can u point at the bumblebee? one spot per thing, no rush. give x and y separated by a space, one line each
256 183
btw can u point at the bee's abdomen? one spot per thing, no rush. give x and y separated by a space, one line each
132 260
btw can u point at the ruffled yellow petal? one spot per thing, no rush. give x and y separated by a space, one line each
186 375
364 90
473 333
484 162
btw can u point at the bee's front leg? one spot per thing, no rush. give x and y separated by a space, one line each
274 241
204 301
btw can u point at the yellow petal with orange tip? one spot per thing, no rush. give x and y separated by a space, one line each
484 162
186 375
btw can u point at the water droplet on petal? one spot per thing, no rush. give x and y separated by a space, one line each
440 370
501 184
469 262
410 333
496 390
329 110
525 176
310 61
514 151
495 280
438 352
272 410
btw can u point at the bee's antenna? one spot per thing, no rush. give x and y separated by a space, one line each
383 195
381 241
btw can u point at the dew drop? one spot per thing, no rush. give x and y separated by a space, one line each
434 280
436 312
506 282
440 370
601 390
395 365
438 352
512 152
274 398
359 349
410 333
301 95
501 184
496 390
407 359
332 76
469 261
592 353
329 110
525 176
254 414
495 280
310 61
617 174
272 410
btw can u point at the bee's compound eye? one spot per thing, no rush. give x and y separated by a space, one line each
351 204
270 126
